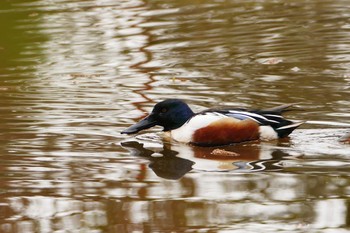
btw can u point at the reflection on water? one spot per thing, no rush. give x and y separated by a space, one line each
167 165
122 194
73 74
175 163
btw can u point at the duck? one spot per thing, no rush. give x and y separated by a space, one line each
217 126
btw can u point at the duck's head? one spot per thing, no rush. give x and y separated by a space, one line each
170 113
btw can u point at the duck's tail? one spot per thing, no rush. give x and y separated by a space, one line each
285 130
282 126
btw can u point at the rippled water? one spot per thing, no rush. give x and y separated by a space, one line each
73 74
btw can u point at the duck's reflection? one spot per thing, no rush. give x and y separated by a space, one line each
174 161
164 163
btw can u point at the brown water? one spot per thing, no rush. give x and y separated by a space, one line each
73 74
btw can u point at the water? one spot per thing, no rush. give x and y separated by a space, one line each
73 74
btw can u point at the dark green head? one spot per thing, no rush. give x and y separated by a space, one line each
170 113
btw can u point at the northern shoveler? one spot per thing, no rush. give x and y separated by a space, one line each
215 127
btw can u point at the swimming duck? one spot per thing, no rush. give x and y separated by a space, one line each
216 127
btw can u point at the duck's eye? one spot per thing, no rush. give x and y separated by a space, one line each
164 110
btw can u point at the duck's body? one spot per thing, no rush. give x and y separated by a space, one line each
215 127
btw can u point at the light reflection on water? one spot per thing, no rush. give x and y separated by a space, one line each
74 73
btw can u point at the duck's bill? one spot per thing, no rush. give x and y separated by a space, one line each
145 123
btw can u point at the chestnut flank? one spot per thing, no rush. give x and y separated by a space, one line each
226 131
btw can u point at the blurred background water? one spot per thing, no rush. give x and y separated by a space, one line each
73 74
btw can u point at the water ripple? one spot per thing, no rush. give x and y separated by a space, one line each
73 74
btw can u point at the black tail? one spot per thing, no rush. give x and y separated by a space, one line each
284 131
282 126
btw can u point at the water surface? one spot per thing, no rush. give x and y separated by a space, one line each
73 74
